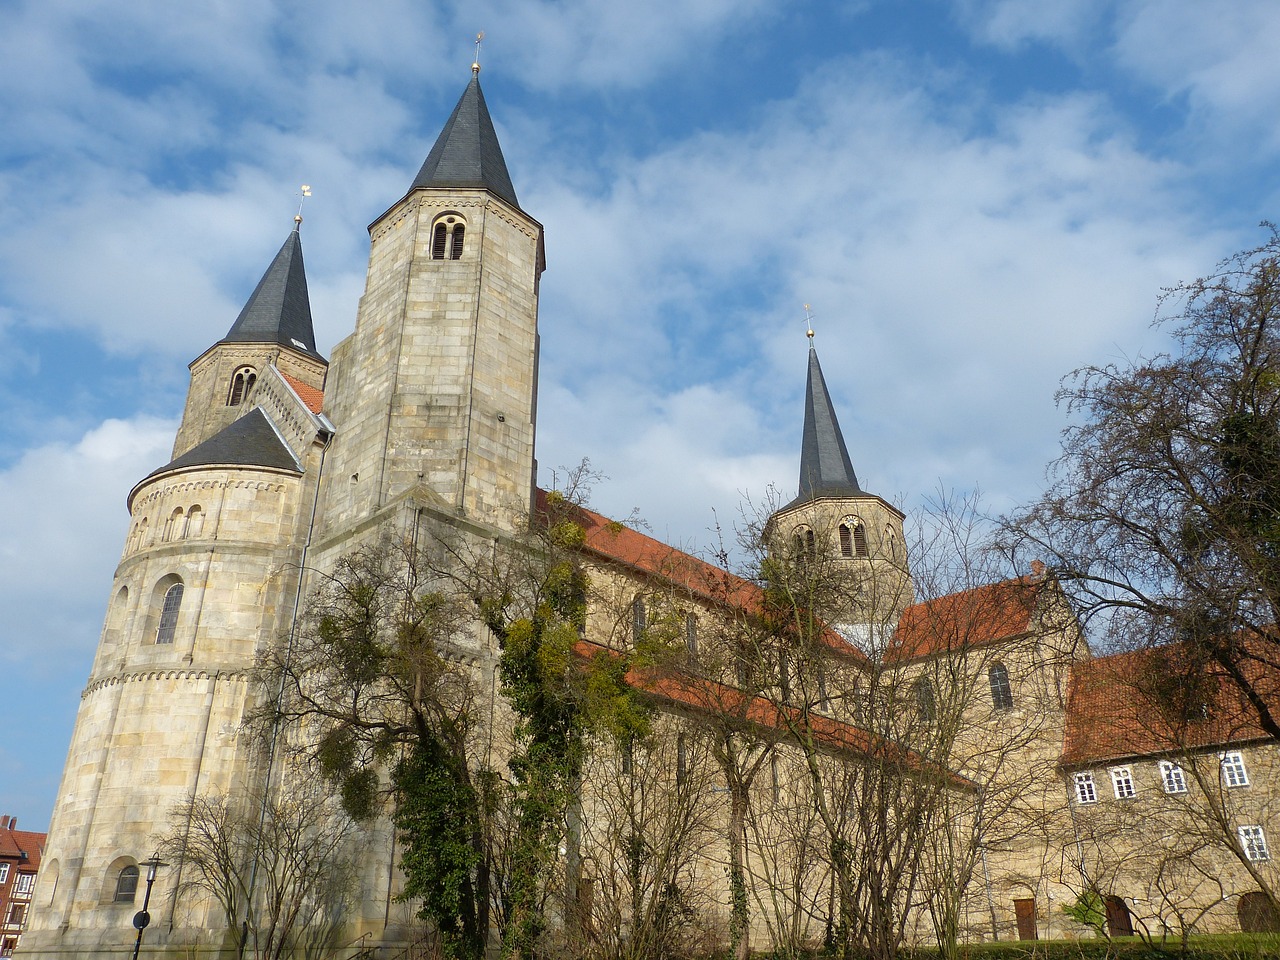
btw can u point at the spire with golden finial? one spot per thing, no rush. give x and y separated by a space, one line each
808 322
302 197
475 65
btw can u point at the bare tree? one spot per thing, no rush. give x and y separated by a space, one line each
304 881
1164 509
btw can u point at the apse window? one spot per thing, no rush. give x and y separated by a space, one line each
168 623
126 884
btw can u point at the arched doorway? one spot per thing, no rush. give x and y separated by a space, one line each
1257 913
1119 921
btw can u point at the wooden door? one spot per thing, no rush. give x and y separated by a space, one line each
1025 911
1119 922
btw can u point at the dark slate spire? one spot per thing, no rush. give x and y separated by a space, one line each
250 441
467 153
280 309
825 467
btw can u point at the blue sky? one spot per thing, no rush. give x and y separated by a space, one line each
975 197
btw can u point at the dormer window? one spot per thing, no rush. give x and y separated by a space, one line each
241 383
447 238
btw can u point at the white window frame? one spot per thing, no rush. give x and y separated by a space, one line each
1253 841
1086 789
1122 783
24 884
1234 773
4 872
1173 777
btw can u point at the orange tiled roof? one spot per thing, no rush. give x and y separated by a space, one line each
713 698
1113 708
313 398
14 843
997 611
619 544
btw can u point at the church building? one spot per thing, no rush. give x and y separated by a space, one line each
424 418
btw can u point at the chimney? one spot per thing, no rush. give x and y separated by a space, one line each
13 823
4 823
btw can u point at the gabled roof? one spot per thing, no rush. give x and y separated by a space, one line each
615 543
279 310
467 153
711 698
250 441
825 467
982 615
1136 704
309 395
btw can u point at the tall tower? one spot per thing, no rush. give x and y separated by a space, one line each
428 407
435 390
207 578
833 517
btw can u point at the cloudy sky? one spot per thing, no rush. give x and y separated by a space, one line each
975 197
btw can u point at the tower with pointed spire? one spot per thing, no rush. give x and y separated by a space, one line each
273 330
428 409
435 390
832 516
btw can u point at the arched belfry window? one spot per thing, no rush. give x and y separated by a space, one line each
167 624
853 538
803 543
447 238
241 383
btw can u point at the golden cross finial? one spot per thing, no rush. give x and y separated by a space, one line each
475 66
808 322
302 196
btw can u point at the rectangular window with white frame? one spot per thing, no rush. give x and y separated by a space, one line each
1086 791
4 872
1173 777
25 884
1122 782
1233 771
1253 842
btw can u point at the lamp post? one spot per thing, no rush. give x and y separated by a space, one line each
141 919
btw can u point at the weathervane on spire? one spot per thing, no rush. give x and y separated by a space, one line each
475 66
808 322
302 196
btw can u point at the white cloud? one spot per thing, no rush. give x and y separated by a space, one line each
958 267
61 533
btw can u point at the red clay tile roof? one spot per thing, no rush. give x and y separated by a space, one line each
1116 707
617 543
13 843
313 398
997 611
709 697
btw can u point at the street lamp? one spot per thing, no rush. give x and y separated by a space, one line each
141 919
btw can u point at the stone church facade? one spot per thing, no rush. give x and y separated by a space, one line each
425 417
